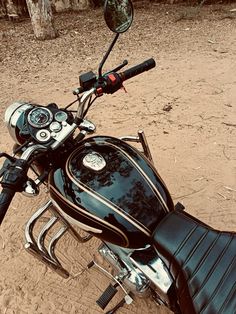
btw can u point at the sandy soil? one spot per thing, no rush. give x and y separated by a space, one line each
193 144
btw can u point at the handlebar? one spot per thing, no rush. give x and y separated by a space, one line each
113 81
6 197
137 69
14 179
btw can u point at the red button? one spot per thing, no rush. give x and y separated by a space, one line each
112 78
99 91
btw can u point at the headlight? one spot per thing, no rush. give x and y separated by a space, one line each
15 120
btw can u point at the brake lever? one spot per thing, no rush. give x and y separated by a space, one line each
125 62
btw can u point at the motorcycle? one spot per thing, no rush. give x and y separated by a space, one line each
111 190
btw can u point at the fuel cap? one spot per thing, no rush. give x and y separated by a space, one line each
94 161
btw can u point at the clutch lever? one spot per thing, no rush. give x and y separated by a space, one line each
12 159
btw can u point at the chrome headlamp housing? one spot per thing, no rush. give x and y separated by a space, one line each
15 120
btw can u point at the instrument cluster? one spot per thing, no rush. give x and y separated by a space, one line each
45 123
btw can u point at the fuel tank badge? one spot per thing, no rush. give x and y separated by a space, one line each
94 161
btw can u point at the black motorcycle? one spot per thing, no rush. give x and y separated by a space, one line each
111 190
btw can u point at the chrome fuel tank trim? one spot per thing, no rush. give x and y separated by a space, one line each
73 221
88 215
106 202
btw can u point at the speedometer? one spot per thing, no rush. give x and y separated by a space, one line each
40 117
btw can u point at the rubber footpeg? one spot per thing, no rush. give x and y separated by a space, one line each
107 296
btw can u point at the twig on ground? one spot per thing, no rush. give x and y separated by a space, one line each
224 197
229 189
230 124
3 244
224 153
199 179
189 194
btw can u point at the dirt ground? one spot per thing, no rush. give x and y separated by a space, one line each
186 105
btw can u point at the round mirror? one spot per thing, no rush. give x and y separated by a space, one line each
118 15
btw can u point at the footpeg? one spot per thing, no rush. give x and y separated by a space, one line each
126 300
107 296
111 290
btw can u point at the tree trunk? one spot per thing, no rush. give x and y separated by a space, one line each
41 18
11 7
83 4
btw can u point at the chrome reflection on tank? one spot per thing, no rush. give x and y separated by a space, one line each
163 203
94 161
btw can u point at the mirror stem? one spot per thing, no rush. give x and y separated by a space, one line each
106 56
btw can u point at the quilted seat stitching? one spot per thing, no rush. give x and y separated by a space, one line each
185 240
211 270
179 248
204 258
233 291
220 283
191 253
200 263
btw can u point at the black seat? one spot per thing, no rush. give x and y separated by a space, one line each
202 262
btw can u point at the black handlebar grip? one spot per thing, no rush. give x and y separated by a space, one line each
138 69
6 197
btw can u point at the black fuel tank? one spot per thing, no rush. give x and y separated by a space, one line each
111 190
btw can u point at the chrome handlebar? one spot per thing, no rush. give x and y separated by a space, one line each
82 102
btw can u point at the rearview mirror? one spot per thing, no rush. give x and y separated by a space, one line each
118 15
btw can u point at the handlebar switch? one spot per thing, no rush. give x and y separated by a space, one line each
15 176
113 83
